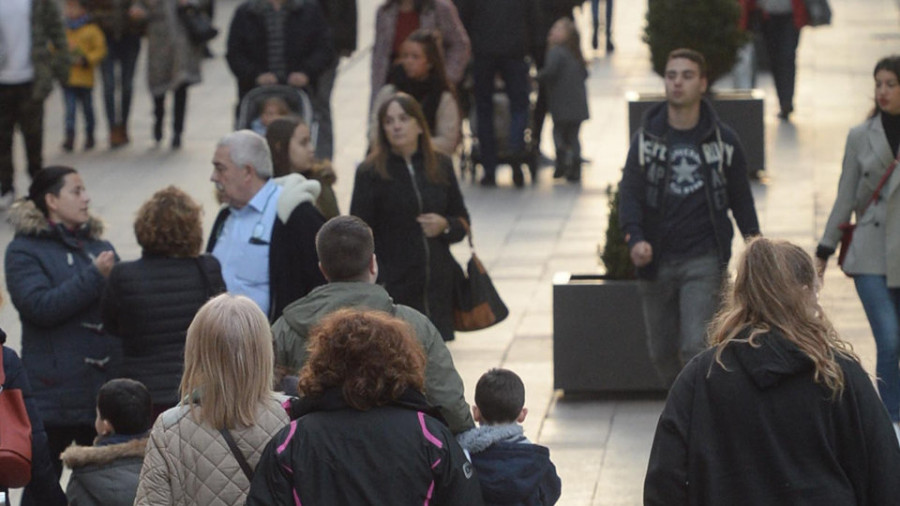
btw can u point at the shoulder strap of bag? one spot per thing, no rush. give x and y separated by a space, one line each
884 178
232 445
465 224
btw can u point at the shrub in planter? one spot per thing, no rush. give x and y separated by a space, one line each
615 254
707 26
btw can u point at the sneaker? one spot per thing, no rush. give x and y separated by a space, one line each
7 199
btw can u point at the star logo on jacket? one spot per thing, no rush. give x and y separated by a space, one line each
685 178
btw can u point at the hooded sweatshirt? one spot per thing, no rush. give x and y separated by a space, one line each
760 430
510 468
444 388
654 172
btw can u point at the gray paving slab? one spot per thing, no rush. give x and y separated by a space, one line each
525 236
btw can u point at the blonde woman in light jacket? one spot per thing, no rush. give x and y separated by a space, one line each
226 385
873 259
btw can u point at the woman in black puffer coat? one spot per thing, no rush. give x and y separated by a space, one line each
408 194
56 268
149 303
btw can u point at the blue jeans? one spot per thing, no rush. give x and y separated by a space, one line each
678 306
882 306
124 54
514 72
84 96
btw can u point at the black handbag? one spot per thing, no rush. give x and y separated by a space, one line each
819 12
476 303
197 23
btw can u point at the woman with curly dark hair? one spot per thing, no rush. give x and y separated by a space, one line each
363 404
150 302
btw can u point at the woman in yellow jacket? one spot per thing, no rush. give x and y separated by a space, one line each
88 47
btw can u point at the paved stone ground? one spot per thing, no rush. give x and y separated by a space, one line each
525 236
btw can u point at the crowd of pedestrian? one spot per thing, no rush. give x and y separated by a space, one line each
299 347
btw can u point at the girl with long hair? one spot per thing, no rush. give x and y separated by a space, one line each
779 409
293 151
409 195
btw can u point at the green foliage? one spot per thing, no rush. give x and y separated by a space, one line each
615 255
707 26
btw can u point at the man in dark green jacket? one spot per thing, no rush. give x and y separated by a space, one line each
346 252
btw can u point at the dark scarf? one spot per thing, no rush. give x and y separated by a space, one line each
891 124
428 93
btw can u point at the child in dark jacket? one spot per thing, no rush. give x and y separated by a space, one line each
563 74
107 473
510 468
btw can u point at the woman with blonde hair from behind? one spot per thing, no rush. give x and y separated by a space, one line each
226 393
779 411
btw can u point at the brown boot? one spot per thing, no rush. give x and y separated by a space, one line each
117 136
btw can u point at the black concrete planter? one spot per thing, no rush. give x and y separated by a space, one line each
742 110
599 336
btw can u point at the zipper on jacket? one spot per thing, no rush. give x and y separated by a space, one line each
412 178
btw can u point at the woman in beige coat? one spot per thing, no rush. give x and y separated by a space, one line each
226 391
873 259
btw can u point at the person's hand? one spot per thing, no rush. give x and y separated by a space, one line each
641 254
821 264
298 79
137 13
104 262
182 3
267 78
432 224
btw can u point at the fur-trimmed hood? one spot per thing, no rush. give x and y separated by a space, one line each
27 219
81 456
296 190
480 438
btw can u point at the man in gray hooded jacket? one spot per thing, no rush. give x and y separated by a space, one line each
346 251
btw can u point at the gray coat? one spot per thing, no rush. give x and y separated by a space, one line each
877 236
563 76
104 475
172 59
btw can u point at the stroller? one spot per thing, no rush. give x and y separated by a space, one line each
297 100
470 157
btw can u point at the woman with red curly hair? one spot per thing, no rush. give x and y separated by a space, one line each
363 432
150 302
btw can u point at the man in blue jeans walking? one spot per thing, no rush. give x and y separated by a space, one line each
685 171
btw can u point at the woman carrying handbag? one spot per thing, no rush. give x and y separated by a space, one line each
868 189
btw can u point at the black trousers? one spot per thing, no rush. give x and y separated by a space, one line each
159 109
18 108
